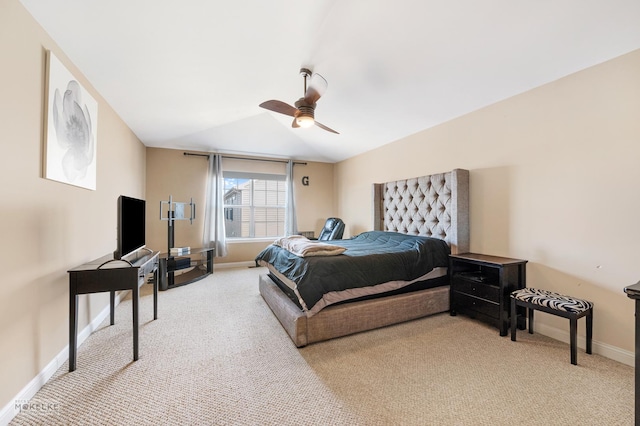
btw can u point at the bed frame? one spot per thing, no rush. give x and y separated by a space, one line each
435 205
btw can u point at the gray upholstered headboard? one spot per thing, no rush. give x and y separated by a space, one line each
434 205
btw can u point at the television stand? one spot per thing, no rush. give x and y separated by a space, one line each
200 259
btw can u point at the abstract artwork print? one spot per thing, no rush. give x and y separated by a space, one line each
71 130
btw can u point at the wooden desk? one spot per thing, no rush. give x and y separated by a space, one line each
107 274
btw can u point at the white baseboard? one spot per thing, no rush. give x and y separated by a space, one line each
13 408
247 264
607 351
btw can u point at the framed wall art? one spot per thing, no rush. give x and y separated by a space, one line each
71 128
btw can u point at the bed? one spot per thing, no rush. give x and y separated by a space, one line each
432 209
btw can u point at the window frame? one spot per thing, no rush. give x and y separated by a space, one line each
252 206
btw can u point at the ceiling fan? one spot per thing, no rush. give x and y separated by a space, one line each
304 110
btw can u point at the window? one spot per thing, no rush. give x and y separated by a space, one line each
254 205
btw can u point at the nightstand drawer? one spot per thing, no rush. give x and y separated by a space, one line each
476 288
469 304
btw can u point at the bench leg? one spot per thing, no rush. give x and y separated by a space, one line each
589 330
574 340
530 310
513 319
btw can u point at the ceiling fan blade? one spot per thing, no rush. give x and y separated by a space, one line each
316 88
279 106
322 126
295 124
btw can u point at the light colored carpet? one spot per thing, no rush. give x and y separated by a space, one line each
217 356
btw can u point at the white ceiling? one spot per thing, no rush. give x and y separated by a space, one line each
190 74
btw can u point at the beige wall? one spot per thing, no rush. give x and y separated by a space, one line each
554 179
170 172
48 227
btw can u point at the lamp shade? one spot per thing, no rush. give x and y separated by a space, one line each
304 120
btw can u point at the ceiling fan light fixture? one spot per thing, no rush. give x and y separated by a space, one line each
305 116
305 120
304 111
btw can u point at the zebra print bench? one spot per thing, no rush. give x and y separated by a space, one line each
555 304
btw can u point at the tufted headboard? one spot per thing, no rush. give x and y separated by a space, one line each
434 205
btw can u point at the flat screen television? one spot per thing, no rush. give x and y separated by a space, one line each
131 226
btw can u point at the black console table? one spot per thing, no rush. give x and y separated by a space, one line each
108 274
202 266
633 292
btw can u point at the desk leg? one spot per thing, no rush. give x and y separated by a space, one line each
73 329
637 365
135 296
112 304
155 294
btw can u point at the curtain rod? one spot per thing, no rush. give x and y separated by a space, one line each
243 158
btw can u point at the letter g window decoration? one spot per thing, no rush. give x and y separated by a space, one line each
305 180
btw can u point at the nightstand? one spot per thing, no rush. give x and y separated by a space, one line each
481 285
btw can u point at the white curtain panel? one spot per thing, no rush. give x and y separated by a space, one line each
290 221
214 232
